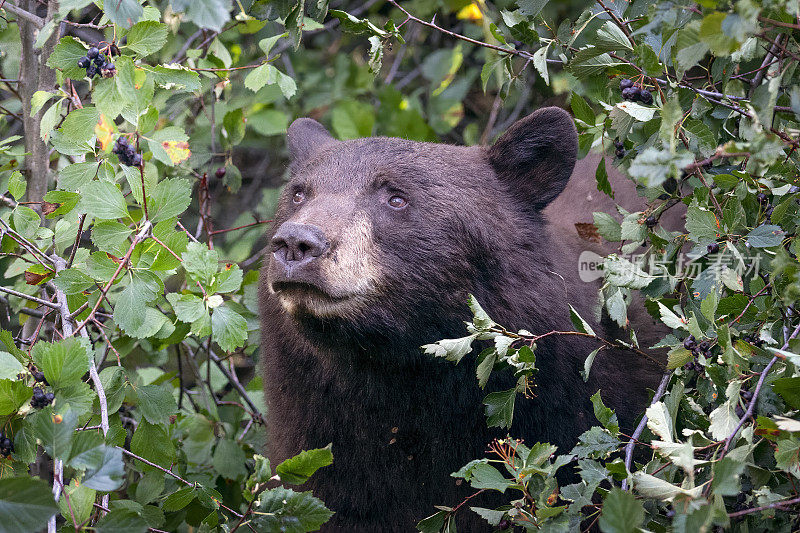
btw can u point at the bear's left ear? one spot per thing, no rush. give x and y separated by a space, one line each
537 154
305 136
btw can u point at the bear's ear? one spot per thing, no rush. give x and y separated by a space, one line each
536 155
306 136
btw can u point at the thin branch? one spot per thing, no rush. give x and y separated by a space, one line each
29 297
751 407
662 388
773 505
36 20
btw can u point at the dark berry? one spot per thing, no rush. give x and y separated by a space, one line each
504 524
768 211
746 395
113 50
39 377
650 222
122 141
739 411
713 248
91 71
762 198
690 343
631 93
92 52
625 84
100 60
136 160
645 97
84 62
619 153
618 144
704 346
220 173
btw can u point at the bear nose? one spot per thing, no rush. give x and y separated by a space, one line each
296 244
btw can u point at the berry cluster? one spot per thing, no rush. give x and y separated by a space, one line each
40 399
619 149
650 222
96 63
38 377
635 93
755 340
696 348
6 445
713 248
126 153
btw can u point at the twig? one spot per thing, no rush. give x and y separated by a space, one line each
773 505
662 387
751 407
236 385
27 15
34 299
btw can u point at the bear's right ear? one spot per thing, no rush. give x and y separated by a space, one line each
535 157
306 136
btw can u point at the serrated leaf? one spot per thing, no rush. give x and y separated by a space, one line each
62 362
284 509
73 281
26 504
104 200
652 166
147 37
13 394
170 198
500 408
298 469
765 236
175 77
104 467
622 513
229 459
111 236
121 520
65 57
229 328
156 403
211 14
451 349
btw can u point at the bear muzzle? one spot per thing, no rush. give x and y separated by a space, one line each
295 246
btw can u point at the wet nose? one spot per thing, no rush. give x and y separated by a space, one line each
296 244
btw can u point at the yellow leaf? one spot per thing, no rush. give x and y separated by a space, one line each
104 132
470 12
177 150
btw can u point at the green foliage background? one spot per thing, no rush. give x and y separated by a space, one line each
133 290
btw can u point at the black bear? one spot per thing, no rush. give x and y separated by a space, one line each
376 245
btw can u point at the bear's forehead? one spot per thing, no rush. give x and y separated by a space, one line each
364 163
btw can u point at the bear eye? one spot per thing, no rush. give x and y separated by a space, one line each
397 202
298 197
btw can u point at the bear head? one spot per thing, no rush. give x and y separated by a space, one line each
380 239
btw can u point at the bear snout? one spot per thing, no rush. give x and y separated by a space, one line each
296 245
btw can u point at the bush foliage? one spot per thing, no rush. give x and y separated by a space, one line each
144 332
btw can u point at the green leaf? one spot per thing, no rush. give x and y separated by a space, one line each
176 77
229 328
75 176
765 236
154 444
104 200
26 504
130 309
298 469
26 221
211 14
103 465
726 476
13 394
65 57
620 272
581 109
578 322
451 349
111 236
789 390
284 510
200 262
10 367
179 499
595 443
147 37
229 459
611 37
55 432
652 166
678 357
607 226
156 403
500 408
606 416
73 281
121 520
352 119
622 513
17 185
188 307
170 198
702 224
79 124
63 362
355 25
531 8
485 476
588 362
